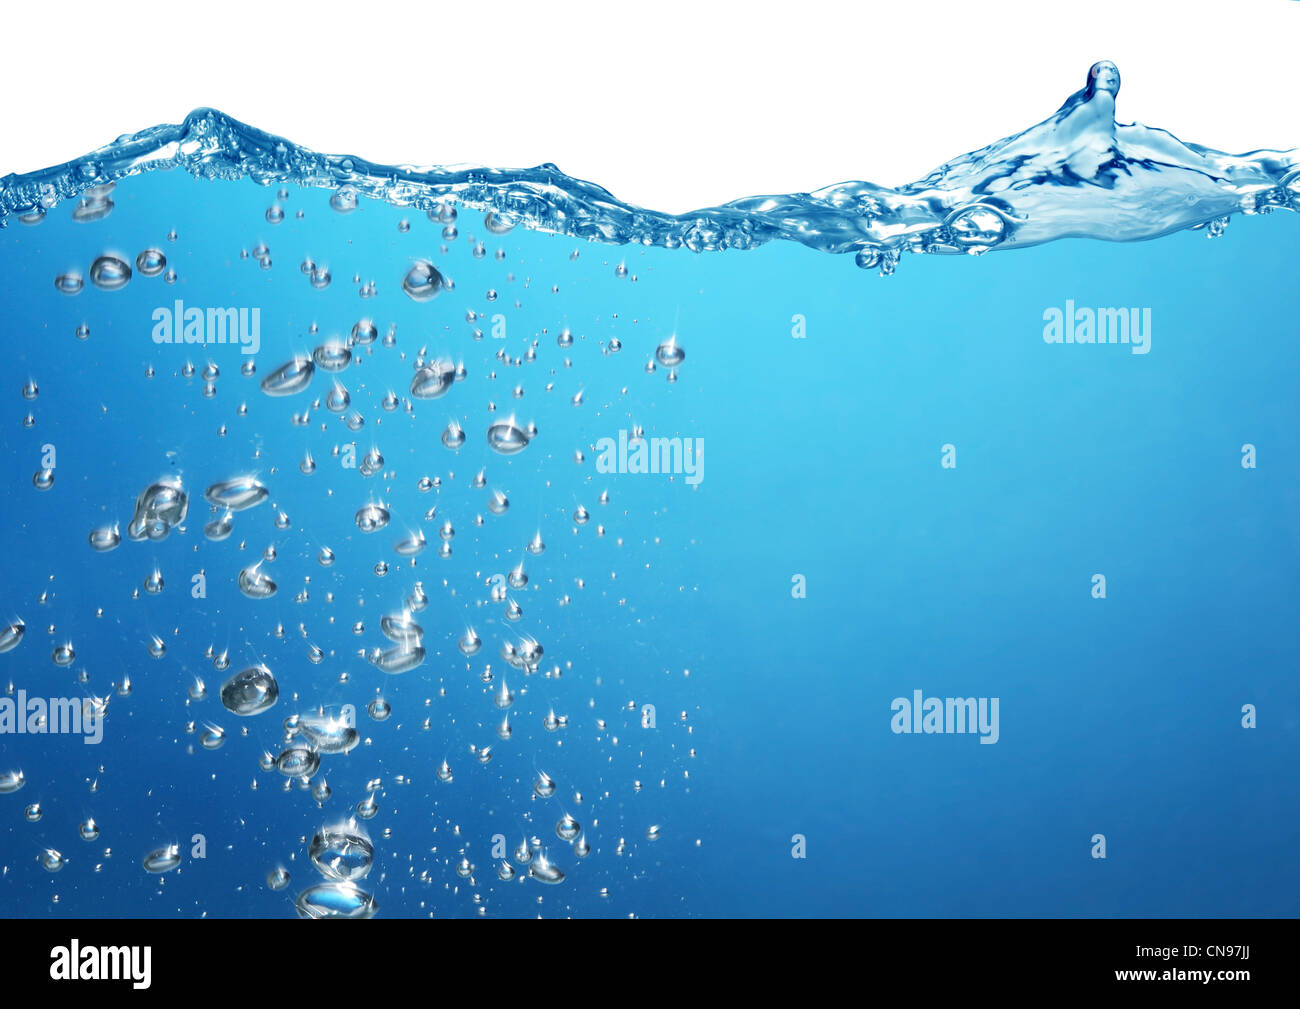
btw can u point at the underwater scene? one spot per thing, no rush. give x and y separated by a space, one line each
362 556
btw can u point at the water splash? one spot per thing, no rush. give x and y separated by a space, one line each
1078 173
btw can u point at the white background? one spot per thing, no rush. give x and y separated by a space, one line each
672 105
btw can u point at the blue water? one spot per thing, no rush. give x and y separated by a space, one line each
822 562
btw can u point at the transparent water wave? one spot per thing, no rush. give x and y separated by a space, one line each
1077 173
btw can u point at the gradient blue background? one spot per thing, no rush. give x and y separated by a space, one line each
1119 717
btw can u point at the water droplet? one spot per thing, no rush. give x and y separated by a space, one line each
250 692
433 380
372 517
337 399
371 463
507 438
497 224
69 283
105 538
364 332
291 377
213 737
544 785
545 871
335 900
567 828
367 807
51 860
158 508
344 199
219 528
343 852
151 262
162 859
11 781
298 762
422 281
255 583
411 545
237 494
453 436
470 643
328 731
332 356
399 659
93 207
109 273
669 354
976 228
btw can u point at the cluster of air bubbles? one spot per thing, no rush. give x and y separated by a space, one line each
885 259
343 853
159 508
328 731
433 379
406 650
372 517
